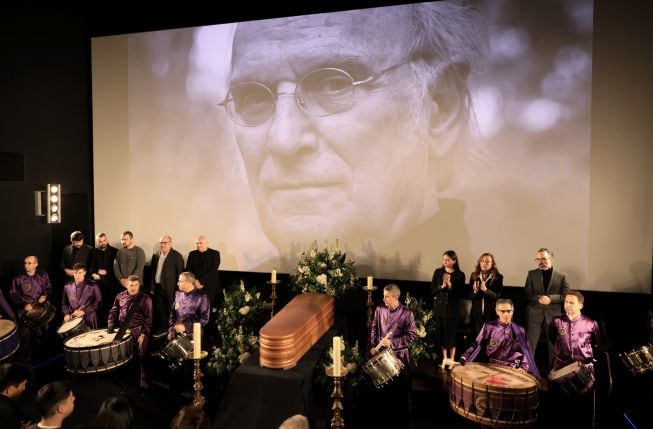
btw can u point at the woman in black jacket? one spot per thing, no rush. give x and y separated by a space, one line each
447 287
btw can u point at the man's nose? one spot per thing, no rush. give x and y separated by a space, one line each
292 130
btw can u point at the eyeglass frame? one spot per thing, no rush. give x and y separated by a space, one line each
355 83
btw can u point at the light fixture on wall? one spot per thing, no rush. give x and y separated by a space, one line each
48 203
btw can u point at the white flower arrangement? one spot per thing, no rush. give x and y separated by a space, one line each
324 271
238 323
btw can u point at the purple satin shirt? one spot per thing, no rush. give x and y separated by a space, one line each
141 322
189 308
573 341
504 345
401 323
26 289
86 293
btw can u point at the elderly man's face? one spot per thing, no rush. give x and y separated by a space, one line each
360 174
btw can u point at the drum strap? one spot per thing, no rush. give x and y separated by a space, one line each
136 302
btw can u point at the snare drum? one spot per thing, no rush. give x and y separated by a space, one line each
176 350
575 379
638 361
72 327
383 367
494 395
8 339
96 351
40 315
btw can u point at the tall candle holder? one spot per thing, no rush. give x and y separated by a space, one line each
370 307
337 422
273 295
198 401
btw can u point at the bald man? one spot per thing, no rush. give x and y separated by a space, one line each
204 263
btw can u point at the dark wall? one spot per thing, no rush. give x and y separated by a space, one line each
46 117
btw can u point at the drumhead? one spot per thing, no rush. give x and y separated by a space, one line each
93 339
493 375
70 325
6 326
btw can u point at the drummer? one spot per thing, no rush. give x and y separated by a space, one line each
191 306
140 323
81 297
502 342
28 289
574 337
393 328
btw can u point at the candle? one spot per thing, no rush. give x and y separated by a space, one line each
336 244
369 282
197 340
274 276
337 364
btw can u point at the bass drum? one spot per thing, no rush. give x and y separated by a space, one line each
97 352
383 367
8 339
494 395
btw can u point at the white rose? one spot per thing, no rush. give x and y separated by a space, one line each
321 279
248 297
244 310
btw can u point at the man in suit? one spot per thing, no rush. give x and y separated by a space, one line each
545 289
204 263
166 264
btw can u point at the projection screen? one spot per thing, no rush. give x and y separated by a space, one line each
395 150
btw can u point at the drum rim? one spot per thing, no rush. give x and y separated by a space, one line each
12 325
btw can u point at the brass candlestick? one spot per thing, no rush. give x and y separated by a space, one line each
273 295
370 308
199 401
337 422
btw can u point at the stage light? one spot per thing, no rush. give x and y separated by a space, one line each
52 203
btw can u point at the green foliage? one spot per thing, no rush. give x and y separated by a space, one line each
324 271
424 347
238 323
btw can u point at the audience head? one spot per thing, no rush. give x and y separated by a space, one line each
114 413
297 421
13 379
190 417
55 400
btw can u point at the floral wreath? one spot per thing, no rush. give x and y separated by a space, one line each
423 348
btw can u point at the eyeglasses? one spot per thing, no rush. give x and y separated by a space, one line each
322 92
542 259
164 242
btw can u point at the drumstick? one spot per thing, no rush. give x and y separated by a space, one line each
378 346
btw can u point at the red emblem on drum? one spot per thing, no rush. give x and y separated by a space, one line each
562 331
496 379
27 287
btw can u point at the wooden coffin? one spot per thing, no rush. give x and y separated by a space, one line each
295 329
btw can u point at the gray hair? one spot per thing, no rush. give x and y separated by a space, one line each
393 289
